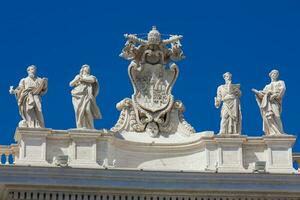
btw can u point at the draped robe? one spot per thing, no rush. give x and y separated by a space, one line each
270 109
84 102
28 95
231 111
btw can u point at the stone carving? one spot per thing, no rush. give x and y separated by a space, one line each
152 105
152 129
231 117
86 88
28 95
270 104
61 160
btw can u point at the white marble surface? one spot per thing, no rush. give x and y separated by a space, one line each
28 95
152 109
228 95
84 93
94 184
269 101
204 152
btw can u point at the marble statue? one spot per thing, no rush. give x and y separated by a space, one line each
229 96
86 88
152 103
270 104
28 95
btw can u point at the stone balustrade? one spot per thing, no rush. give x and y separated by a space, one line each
7 154
296 158
204 152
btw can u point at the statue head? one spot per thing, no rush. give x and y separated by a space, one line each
227 77
31 70
154 36
152 129
274 74
85 70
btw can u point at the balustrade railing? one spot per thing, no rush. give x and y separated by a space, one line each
7 154
296 159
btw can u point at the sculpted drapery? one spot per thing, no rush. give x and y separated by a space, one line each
270 104
86 88
28 95
231 115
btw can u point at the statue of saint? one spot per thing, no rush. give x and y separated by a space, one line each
231 117
28 95
270 104
86 88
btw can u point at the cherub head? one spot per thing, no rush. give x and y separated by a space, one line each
152 129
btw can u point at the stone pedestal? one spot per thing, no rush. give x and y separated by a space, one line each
203 151
230 151
84 148
279 153
32 146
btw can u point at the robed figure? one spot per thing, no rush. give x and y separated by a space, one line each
28 95
270 104
86 89
231 116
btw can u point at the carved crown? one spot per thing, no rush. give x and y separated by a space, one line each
154 36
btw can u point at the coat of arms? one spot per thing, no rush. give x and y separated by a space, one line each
152 80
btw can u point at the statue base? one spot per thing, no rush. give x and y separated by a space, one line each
83 148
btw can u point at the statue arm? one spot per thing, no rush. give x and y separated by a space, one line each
21 86
238 93
282 89
22 83
258 93
218 98
18 90
75 81
45 86
15 91
279 92
88 79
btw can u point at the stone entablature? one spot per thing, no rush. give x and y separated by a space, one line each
201 152
49 183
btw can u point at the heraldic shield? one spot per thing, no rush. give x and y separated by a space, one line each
152 88
152 108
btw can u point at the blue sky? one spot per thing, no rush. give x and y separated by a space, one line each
247 38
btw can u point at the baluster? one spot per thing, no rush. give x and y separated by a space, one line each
1 162
13 158
7 158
